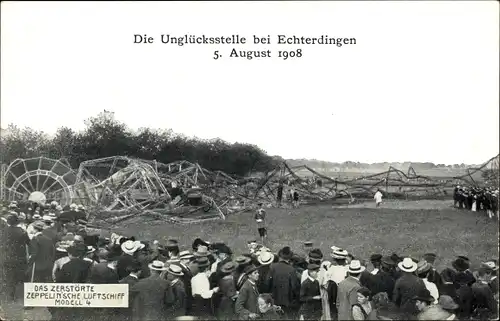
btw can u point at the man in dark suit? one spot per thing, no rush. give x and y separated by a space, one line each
77 269
178 307
310 297
184 262
152 295
407 286
13 246
42 255
131 280
383 281
284 283
246 307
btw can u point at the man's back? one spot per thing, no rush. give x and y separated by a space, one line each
14 241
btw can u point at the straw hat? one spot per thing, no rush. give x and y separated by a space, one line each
157 265
355 267
185 255
339 253
423 267
131 247
242 260
202 261
202 251
175 270
265 258
407 265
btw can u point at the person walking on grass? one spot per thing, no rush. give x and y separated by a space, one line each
378 197
260 218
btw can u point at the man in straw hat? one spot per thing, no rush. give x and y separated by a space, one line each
42 255
129 249
407 286
337 272
150 294
265 259
246 304
423 269
174 277
347 295
13 256
284 283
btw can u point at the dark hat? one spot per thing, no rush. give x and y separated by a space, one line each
396 258
376 258
229 267
313 267
243 260
424 295
315 254
285 253
252 241
12 219
172 243
308 244
460 264
388 261
197 242
429 257
77 249
203 261
249 269
465 258
222 248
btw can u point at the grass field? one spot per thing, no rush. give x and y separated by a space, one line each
403 227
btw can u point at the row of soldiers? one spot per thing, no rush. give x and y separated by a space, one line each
477 199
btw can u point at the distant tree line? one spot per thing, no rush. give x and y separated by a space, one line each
105 136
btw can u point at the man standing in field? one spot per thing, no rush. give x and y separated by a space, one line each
260 218
378 197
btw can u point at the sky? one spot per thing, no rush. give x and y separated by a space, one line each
420 84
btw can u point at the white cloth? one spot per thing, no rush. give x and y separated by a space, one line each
474 206
378 197
336 273
201 286
58 264
374 272
432 289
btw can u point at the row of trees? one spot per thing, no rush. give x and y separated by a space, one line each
105 136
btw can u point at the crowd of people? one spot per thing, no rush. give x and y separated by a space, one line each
477 199
209 281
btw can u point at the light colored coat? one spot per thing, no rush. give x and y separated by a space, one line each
346 297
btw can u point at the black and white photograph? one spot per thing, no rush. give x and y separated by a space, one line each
249 160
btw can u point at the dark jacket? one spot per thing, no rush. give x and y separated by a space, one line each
75 271
122 265
152 296
405 288
483 303
383 282
43 252
284 284
13 246
176 306
102 274
246 302
310 308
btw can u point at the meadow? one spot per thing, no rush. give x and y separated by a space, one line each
403 227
